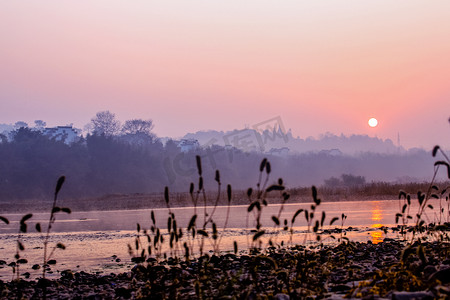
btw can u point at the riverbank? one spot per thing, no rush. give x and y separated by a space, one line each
150 201
370 191
349 269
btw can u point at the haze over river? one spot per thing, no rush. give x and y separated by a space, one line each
92 238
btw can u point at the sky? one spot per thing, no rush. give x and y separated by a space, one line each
321 66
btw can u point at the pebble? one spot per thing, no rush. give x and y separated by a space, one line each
442 275
412 296
281 297
328 272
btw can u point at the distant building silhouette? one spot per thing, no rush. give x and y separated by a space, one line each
187 145
279 151
67 134
332 152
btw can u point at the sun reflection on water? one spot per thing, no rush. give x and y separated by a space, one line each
377 216
377 236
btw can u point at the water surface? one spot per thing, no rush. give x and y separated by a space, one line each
93 238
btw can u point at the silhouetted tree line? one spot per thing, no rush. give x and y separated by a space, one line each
116 159
346 180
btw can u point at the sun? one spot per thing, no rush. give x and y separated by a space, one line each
373 122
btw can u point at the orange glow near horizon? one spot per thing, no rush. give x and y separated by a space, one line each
238 63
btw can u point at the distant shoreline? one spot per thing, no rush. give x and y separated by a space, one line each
150 201
367 192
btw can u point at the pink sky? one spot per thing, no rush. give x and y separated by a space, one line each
196 65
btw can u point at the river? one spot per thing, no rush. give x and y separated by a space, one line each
96 241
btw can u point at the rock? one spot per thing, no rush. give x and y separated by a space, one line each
340 288
281 297
67 274
123 292
138 259
93 296
151 260
354 266
412 295
442 292
43 283
429 270
139 269
442 275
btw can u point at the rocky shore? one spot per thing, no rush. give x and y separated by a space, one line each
389 269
